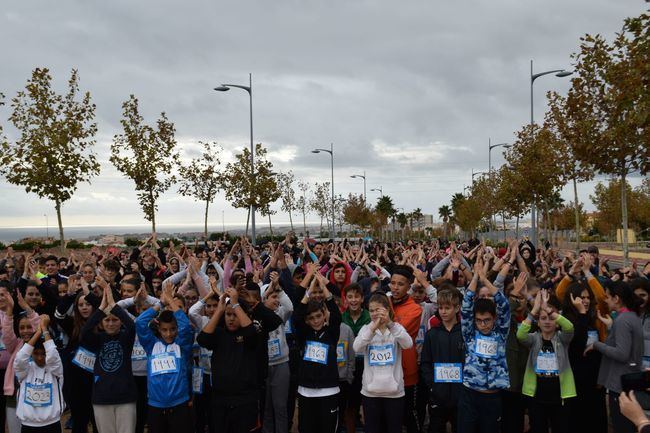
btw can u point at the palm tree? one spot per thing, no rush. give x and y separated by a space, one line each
445 213
385 208
416 216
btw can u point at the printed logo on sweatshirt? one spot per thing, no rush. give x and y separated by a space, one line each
111 356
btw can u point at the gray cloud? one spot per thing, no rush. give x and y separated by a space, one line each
409 93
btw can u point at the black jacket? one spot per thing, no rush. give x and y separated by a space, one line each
313 374
234 364
442 346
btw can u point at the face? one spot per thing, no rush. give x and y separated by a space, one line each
84 308
51 267
484 293
168 331
38 356
354 300
317 294
175 267
418 294
643 295
586 300
484 322
339 275
135 267
399 286
272 301
297 278
156 285
363 273
232 321
62 289
318 250
316 320
111 324
375 309
88 274
25 329
211 273
128 290
546 324
191 297
525 254
448 312
33 296
211 307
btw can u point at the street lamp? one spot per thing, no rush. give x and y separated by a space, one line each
476 173
363 176
558 73
492 146
331 152
380 190
249 89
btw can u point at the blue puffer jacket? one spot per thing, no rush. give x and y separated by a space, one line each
485 355
167 364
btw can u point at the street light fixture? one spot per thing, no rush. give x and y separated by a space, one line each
331 152
476 173
558 73
363 176
492 146
249 89
380 190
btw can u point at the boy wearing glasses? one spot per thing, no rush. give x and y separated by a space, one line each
485 324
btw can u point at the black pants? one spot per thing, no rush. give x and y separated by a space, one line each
478 412
344 394
514 411
234 419
410 409
590 401
294 366
383 415
619 422
439 416
52 428
318 414
545 415
177 419
141 404
202 418
421 402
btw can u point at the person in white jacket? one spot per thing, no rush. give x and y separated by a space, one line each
382 386
277 381
39 370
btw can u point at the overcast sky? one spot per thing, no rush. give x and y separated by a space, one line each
410 92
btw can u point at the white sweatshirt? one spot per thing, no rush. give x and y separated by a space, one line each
382 358
39 400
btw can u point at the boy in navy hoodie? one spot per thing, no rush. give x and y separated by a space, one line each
169 355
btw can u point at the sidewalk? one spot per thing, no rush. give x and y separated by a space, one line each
633 255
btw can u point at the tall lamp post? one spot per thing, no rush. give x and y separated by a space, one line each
533 77
490 147
363 176
379 190
331 152
249 89
476 173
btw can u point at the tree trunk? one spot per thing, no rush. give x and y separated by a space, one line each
505 231
153 213
546 221
320 233
248 217
517 228
577 213
270 227
205 221
626 247
304 222
291 220
58 217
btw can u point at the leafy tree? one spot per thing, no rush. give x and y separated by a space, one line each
609 107
456 200
201 179
146 155
320 202
53 153
385 209
445 213
303 203
416 216
356 212
469 215
607 199
286 185
245 191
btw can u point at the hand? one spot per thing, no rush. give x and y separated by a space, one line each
9 304
575 268
588 349
275 280
141 295
631 408
233 295
537 305
45 322
577 303
607 319
520 283
21 301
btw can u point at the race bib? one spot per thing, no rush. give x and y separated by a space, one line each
84 359
341 350
287 327
163 363
138 353
197 380
316 352
546 363
447 373
592 337
420 337
275 351
486 347
38 395
381 355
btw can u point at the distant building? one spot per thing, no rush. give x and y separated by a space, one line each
110 240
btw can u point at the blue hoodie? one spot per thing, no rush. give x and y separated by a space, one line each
167 364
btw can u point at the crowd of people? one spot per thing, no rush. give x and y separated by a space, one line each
349 335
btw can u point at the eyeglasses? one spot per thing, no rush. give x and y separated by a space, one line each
483 322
